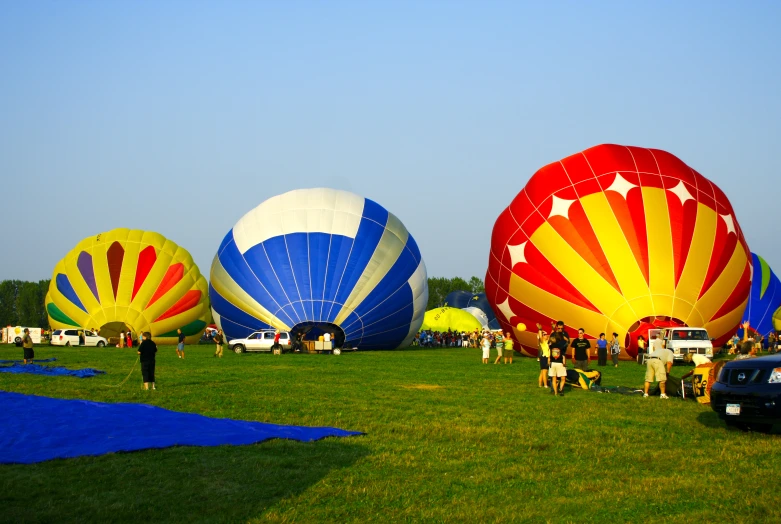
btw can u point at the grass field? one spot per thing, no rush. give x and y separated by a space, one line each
447 440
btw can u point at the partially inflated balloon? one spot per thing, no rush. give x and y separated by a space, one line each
129 280
619 239
467 299
479 314
450 319
765 297
321 259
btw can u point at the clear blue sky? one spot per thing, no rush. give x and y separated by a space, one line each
179 117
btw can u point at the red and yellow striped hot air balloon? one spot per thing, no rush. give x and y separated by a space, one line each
129 280
619 239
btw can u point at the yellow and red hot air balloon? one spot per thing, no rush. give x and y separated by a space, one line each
619 239
129 280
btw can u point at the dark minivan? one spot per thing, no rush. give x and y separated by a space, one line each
747 393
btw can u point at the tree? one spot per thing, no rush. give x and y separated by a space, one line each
29 304
476 285
8 315
441 287
22 303
43 315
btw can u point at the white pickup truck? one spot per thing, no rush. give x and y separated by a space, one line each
685 342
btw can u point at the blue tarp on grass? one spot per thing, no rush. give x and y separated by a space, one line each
35 369
34 429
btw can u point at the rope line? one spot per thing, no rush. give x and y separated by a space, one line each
127 377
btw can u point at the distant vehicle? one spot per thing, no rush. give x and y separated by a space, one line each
13 335
747 393
260 341
686 341
70 337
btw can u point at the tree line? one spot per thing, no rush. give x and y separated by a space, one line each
441 287
22 303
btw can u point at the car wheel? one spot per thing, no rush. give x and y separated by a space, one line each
100 344
17 340
238 349
68 344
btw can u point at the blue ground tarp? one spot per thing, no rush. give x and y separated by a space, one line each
35 369
34 429
20 361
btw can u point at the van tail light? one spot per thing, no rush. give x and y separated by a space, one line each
60 337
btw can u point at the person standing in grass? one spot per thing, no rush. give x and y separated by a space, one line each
180 344
582 350
146 355
218 341
659 363
602 350
640 349
499 341
27 347
543 339
615 349
486 345
558 327
508 348
558 372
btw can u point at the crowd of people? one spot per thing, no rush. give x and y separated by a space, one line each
753 343
451 338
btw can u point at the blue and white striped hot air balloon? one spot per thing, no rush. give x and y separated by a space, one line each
321 260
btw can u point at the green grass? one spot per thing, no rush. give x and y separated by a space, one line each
447 440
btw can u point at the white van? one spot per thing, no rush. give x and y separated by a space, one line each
687 341
70 337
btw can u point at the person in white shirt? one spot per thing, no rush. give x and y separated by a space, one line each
658 363
486 344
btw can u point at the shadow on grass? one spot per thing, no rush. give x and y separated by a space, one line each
219 484
712 420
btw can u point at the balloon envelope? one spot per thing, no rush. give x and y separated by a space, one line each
764 298
450 318
466 299
619 239
321 259
479 314
129 280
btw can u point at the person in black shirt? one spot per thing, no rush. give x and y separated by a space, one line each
146 354
582 350
180 345
558 327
